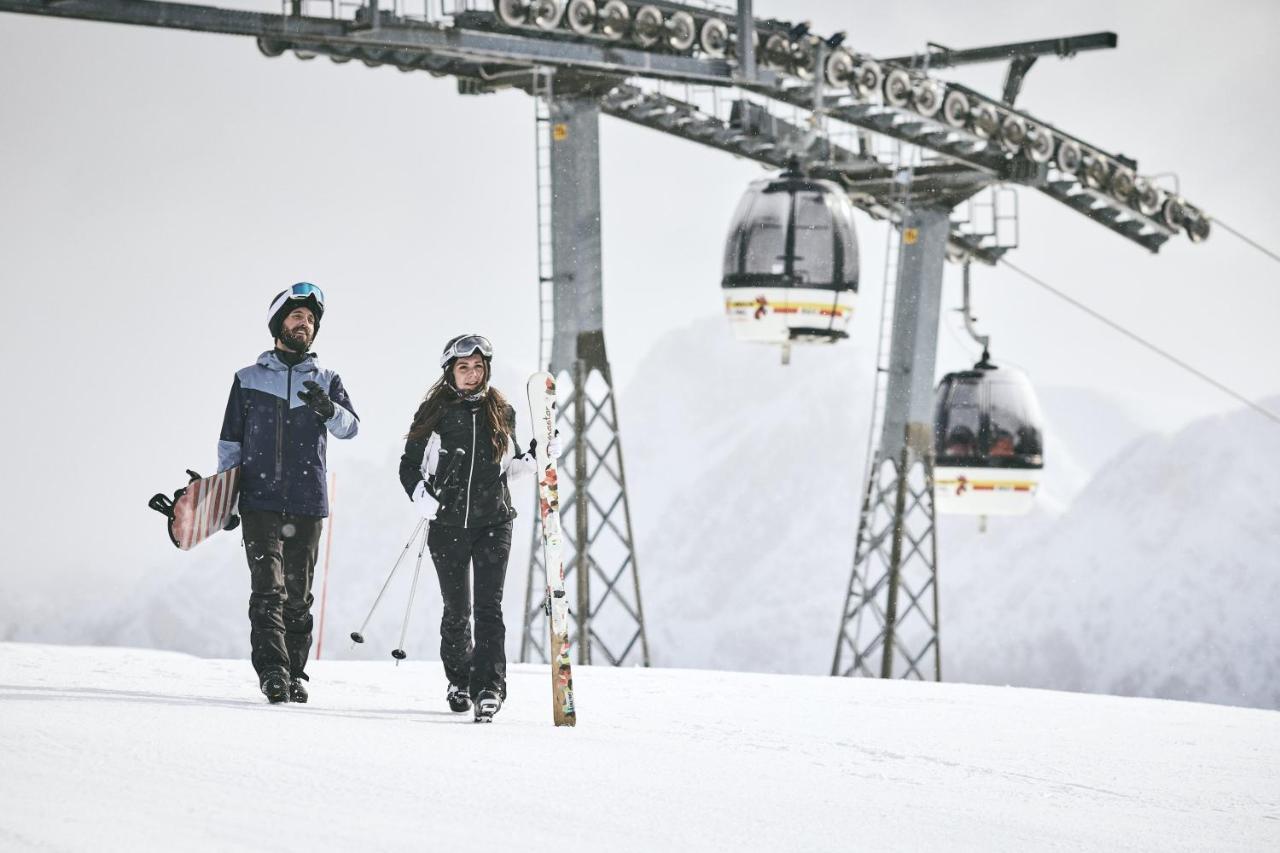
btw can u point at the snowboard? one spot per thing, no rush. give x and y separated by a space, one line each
542 410
199 509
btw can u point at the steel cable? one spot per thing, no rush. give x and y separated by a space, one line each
1144 342
1254 243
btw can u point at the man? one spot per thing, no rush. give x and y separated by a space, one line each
275 429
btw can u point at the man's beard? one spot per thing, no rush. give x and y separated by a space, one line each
293 343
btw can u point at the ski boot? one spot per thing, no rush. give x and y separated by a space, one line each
275 687
298 690
487 704
458 698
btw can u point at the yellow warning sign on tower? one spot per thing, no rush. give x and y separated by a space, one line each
560 131
910 235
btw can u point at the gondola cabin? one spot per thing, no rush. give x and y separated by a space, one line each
988 443
791 262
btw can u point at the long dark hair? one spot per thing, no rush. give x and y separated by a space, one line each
441 395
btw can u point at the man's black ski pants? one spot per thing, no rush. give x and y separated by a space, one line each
459 552
281 550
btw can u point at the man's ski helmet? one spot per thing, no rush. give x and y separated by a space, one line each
304 295
463 346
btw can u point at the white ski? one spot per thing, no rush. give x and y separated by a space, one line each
542 411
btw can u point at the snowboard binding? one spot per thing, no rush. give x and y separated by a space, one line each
164 505
200 508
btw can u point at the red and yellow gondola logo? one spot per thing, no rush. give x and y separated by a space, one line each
963 485
761 307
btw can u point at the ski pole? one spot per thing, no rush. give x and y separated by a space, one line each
328 549
398 653
358 636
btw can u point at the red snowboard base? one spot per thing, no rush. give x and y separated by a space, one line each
199 509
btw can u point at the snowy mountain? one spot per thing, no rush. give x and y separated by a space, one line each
745 492
1087 430
126 749
1161 580
1147 580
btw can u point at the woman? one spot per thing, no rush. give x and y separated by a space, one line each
457 456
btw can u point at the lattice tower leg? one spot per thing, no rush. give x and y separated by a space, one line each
599 547
889 626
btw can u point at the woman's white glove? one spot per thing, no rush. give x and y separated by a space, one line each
424 503
553 446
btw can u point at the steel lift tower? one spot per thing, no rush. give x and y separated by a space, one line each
765 90
601 561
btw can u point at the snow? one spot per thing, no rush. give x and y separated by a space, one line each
126 749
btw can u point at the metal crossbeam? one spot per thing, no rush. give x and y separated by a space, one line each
484 55
752 132
179 16
986 156
944 57
391 33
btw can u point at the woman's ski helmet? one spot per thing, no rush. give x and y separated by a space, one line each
302 295
463 346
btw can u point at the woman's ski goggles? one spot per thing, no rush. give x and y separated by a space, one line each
465 346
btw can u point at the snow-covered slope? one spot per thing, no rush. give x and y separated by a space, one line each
111 749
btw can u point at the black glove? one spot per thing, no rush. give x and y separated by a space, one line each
553 446
317 399
233 521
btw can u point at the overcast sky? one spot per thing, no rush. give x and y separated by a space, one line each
158 187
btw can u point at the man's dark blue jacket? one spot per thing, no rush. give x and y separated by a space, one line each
278 442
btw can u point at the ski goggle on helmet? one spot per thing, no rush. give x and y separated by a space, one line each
303 291
465 345
303 294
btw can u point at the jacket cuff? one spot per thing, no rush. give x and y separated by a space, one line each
228 455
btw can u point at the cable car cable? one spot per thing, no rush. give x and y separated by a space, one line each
1254 243
1157 350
